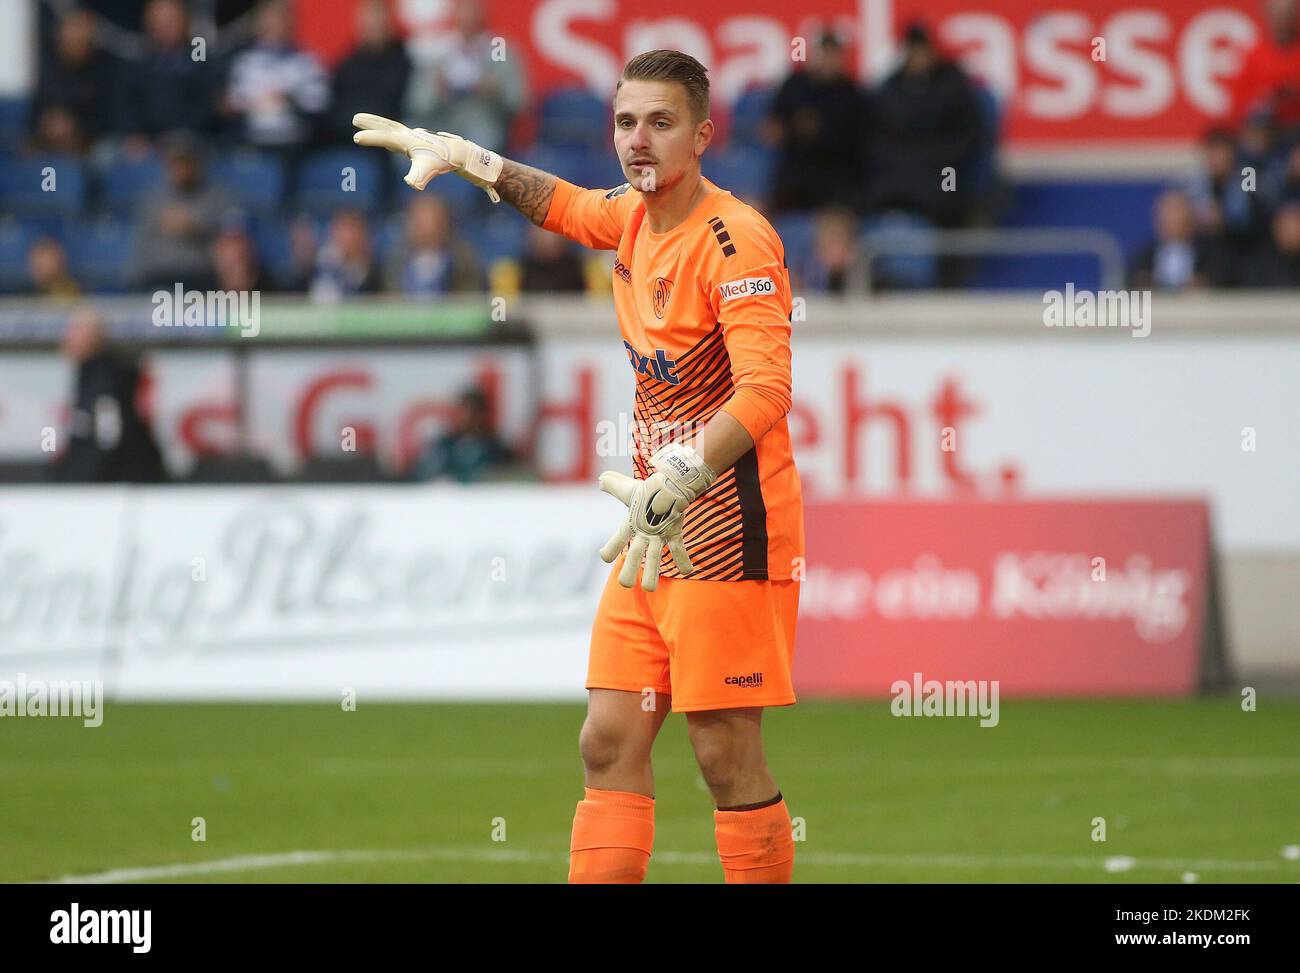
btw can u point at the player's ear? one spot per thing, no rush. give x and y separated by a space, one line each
703 136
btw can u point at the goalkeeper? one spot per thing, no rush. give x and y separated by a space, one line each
698 613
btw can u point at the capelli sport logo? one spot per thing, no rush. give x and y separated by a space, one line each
751 681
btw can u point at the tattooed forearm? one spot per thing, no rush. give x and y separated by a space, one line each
527 189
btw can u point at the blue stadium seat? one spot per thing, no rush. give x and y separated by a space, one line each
575 117
745 171
99 254
592 168
501 235
22 181
1122 206
125 184
747 116
984 172
320 181
13 119
388 233
600 170
463 198
271 240
252 177
913 269
796 231
15 241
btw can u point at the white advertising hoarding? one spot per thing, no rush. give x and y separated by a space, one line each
283 592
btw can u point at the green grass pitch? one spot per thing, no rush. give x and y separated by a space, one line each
414 793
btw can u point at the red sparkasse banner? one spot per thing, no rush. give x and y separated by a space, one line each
1006 591
1161 77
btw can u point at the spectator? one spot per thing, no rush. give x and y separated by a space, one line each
276 93
925 118
165 90
431 260
817 119
303 248
374 77
73 101
47 266
1284 181
178 222
234 261
470 450
837 266
550 264
1224 209
1178 258
345 266
1269 83
1279 265
57 130
109 440
459 86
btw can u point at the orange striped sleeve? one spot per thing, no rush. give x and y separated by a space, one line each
751 298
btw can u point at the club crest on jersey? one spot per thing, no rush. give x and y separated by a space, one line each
659 366
663 289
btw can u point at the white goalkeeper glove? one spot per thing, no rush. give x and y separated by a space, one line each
431 154
656 508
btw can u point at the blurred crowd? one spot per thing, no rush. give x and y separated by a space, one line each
223 171
232 170
1237 222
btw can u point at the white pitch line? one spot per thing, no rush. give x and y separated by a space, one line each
289 859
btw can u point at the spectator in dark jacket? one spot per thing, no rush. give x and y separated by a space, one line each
469 450
431 260
1234 219
73 104
109 440
47 269
817 119
550 265
178 222
235 263
373 77
166 90
345 266
925 118
1179 257
1279 265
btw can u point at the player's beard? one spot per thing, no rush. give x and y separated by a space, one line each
662 183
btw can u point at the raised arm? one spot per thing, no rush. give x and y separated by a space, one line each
594 218
527 189
432 154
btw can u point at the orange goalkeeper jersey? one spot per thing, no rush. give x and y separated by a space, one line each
705 315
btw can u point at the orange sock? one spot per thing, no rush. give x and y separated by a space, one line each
613 834
756 847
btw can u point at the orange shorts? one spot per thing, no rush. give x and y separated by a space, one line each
708 644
